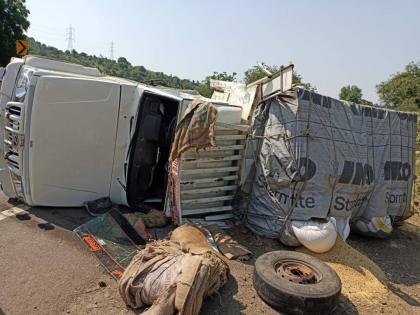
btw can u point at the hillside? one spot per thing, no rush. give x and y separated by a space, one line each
120 68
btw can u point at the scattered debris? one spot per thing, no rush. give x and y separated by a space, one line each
107 239
153 218
137 222
98 206
46 226
230 248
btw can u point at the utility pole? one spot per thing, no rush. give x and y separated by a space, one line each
111 51
70 37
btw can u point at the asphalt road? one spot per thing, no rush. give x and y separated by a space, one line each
45 269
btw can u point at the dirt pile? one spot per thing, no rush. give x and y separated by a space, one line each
363 282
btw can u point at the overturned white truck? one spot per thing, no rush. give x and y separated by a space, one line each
71 135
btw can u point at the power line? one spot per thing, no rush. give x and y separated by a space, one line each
70 37
111 51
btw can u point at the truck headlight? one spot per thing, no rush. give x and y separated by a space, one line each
22 84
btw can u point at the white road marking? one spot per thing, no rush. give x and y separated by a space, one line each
12 212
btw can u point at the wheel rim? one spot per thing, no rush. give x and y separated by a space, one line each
297 271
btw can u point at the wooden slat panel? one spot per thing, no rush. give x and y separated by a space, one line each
217 148
210 170
206 210
209 190
224 216
244 128
191 181
199 159
205 200
230 137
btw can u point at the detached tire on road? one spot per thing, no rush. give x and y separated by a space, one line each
296 283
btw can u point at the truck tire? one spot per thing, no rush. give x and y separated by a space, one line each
296 283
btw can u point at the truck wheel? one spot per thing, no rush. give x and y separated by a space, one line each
296 283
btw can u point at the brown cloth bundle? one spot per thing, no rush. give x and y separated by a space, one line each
174 276
195 129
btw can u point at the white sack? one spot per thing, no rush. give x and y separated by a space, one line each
318 237
342 226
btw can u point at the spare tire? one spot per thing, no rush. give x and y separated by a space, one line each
296 283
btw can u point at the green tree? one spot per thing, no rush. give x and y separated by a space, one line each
13 23
402 90
121 68
366 102
255 73
351 93
204 87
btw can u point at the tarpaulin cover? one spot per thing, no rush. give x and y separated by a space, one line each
317 157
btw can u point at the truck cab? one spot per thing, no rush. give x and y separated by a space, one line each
70 134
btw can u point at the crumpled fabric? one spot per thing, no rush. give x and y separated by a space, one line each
138 225
230 248
153 218
174 191
174 276
195 129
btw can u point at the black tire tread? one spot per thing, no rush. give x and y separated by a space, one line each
292 298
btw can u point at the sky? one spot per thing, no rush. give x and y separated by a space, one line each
331 43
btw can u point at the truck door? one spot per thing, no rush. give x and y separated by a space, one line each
73 127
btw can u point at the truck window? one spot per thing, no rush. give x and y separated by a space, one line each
151 145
